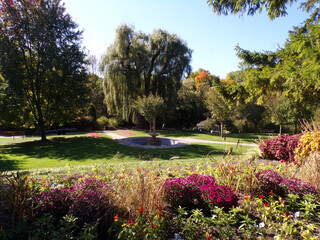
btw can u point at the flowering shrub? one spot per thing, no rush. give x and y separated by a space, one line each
90 201
181 192
198 191
269 181
87 200
281 148
217 195
309 143
56 202
199 180
296 186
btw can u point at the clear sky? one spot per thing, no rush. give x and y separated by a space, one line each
212 38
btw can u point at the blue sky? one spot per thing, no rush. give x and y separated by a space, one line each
212 38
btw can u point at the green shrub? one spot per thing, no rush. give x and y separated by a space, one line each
103 122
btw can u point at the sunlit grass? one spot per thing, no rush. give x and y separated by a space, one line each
84 150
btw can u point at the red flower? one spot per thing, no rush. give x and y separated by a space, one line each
159 214
246 197
116 218
141 210
262 196
208 236
271 192
266 204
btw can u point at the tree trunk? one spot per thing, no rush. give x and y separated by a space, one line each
42 130
41 124
154 125
221 129
280 130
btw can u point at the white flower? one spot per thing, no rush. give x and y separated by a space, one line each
261 225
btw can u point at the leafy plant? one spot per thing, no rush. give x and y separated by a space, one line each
280 148
199 180
216 195
296 186
55 202
181 192
269 181
18 194
87 201
309 142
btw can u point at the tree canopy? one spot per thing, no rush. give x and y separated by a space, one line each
274 8
41 61
285 81
139 64
150 108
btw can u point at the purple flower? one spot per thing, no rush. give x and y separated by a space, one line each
296 186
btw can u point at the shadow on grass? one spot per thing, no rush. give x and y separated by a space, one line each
86 148
8 165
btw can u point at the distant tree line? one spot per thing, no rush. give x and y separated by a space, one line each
47 81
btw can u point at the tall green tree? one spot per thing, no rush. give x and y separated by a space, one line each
293 70
190 108
138 64
41 59
220 110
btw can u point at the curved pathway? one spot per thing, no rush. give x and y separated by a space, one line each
182 140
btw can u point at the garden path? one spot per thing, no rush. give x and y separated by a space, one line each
183 140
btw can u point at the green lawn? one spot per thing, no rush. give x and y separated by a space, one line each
233 137
82 149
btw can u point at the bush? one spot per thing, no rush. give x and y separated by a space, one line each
181 192
90 201
280 148
309 144
55 202
269 181
199 180
296 186
103 122
198 191
87 200
217 195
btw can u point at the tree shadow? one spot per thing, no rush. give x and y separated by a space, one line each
9 165
83 148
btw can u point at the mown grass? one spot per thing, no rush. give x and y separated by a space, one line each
84 150
233 137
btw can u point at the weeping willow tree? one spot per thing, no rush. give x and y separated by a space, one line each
138 64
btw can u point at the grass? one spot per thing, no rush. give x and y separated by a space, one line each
233 137
84 150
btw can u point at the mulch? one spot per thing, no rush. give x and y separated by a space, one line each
94 134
